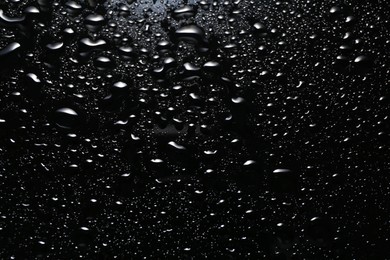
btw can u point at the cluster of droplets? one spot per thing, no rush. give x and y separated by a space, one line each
243 129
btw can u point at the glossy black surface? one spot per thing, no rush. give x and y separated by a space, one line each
172 129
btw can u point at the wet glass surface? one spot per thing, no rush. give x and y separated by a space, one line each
173 129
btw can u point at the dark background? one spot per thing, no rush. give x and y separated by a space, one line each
240 129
